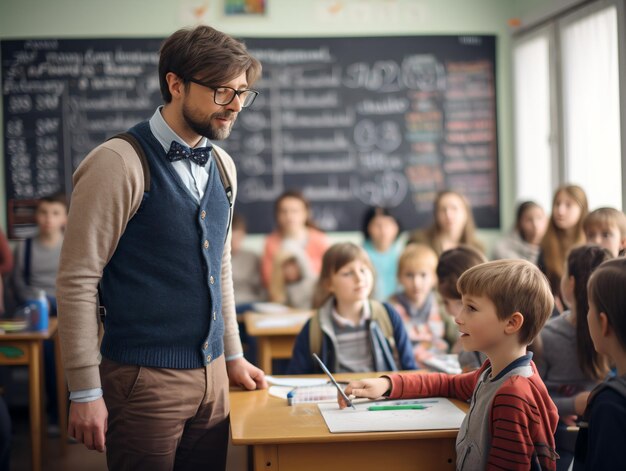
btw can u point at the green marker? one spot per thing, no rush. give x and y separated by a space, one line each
398 407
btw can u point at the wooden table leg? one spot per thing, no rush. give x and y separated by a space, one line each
61 393
35 401
265 457
264 354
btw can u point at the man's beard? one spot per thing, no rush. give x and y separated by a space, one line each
204 128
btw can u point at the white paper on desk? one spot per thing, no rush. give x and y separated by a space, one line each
440 414
286 320
296 382
270 308
279 391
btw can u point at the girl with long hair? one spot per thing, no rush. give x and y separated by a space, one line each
350 332
453 224
565 231
294 228
565 338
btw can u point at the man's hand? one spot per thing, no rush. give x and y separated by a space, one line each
88 423
242 373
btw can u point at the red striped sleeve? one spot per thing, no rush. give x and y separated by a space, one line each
434 384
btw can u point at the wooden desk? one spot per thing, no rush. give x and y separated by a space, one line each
274 342
26 348
295 438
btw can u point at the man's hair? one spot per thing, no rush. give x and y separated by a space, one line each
59 198
452 264
206 54
417 254
512 286
604 217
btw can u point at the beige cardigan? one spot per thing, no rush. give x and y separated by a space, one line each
108 189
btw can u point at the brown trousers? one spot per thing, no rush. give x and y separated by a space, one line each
166 419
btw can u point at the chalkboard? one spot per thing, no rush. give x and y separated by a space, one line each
350 122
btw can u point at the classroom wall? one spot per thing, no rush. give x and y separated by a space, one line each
117 18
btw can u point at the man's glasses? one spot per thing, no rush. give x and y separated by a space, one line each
225 95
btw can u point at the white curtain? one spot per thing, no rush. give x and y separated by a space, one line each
591 107
533 159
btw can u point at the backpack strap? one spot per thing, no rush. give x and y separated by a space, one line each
132 140
381 316
315 334
28 251
228 187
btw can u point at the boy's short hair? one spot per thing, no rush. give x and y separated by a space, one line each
604 217
54 198
415 253
512 286
452 264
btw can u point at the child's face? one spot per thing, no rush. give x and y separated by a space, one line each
565 212
383 231
417 281
533 224
607 237
291 271
51 217
595 330
451 214
479 326
351 283
453 306
291 215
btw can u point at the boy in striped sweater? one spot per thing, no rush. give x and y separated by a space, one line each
512 420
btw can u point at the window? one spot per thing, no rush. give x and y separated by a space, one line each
591 113
533 153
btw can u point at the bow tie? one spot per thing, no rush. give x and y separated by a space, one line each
198 155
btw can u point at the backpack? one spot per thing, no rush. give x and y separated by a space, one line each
379 314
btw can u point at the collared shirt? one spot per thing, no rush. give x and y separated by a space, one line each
193 176
343 322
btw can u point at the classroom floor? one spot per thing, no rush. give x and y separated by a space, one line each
78 458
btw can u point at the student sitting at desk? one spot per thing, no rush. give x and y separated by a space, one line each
417 303
350 332
512 420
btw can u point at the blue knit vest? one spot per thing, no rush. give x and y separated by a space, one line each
161 288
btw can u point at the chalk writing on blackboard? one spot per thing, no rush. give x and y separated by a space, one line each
351 122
